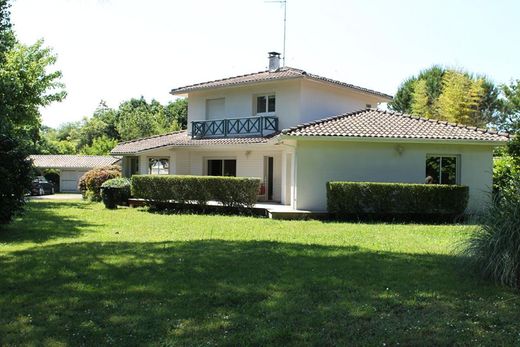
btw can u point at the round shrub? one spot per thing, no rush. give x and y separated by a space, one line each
115 191
90 183
495 248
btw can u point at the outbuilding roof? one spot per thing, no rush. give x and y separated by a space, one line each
284 73
373 123
72 161
181 139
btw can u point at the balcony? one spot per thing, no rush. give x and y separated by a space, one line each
234 127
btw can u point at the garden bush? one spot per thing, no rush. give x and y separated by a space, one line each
495 247
115 191
505 169
229 191
396 199
90 183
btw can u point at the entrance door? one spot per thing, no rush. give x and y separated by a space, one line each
268 177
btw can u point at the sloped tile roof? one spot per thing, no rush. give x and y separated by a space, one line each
372 123
72 161
284 73
181 139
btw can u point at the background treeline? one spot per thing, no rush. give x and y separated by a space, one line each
98 134
461 97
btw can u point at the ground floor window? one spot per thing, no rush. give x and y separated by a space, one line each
159 166
442 169
222 167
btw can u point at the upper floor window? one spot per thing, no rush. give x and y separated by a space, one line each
158 166
442 169
265 104
215 109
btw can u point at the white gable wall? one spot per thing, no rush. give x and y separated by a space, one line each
320 100
319 162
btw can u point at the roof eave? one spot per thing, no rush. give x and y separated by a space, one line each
391 139
184 92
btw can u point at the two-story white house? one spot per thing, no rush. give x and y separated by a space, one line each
296 131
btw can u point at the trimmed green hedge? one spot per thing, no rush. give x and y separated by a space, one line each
368 198
115 191
229 191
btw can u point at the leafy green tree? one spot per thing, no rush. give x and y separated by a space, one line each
138 118
100 146
460 99
15 172
7 38
448 94
432 88
177 114
27 82
510 107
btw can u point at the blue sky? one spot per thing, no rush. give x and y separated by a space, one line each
118 49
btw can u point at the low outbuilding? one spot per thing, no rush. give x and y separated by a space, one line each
71 167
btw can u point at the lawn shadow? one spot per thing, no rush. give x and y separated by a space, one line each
42 222
216 292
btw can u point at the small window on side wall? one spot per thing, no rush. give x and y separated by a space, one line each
442 169
158 166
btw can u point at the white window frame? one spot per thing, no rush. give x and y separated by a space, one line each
150 171
266 113
457 166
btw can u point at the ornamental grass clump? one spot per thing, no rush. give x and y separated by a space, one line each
495 248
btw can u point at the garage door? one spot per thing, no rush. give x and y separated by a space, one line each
69 180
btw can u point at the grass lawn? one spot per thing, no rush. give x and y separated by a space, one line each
74 273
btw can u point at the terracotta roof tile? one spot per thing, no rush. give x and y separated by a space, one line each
284 73
387 124
181 139
72 161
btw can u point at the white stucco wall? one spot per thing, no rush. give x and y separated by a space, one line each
239 101
319 100
297 101
319 162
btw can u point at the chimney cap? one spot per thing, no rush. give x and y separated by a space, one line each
271 54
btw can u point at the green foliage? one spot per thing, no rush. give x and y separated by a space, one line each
510 108
98 134
432 88
138 118
229 191
26 84
15 173
100 146
177 113
368 198
90 183
7 38
505 172
115 191
460 99
513 149
449 94
495 248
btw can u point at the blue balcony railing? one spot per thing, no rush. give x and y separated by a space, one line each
234 127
